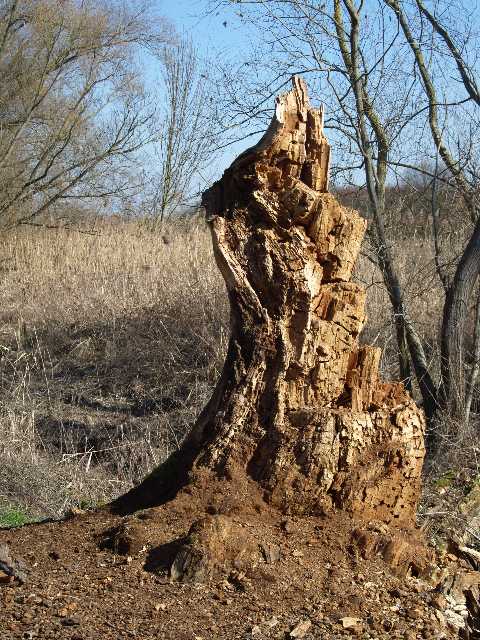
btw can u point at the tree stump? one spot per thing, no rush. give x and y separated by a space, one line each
299 408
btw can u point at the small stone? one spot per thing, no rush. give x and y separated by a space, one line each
387 625
453 619
287 526
256 631
349 622
272 622
70 622
5 578
65 611
440 617
300 630
271 553
12 567
438 601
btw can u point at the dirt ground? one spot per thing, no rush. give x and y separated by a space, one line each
98 575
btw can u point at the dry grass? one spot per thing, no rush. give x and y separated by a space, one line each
111 343
424 294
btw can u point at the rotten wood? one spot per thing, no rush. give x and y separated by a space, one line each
299 408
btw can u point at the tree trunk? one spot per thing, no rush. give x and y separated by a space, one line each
299 408
455 314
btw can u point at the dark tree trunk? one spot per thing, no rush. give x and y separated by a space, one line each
455 313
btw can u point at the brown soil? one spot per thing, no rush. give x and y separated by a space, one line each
99 575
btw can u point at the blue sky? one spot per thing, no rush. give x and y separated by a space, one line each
207 31
213 39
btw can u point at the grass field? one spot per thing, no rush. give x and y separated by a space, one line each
111 341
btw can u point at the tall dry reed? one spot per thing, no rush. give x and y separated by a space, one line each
111 340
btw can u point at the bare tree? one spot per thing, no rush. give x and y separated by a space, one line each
376 163
185 142
461 289
73 109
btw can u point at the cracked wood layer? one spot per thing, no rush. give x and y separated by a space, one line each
299 407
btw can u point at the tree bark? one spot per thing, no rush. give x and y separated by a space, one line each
455 313
299 408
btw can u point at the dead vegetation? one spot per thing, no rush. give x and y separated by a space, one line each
113 340
299 407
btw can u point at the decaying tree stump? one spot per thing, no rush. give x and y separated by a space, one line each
299 407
